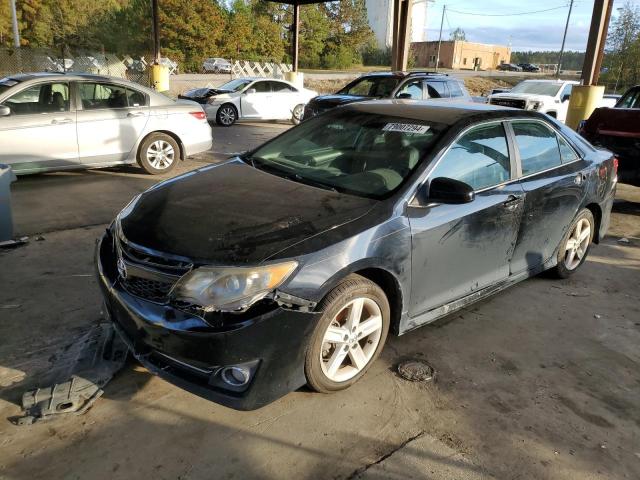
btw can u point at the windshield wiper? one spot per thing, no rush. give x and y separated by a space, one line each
261 164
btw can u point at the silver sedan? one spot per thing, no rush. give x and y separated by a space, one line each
57 122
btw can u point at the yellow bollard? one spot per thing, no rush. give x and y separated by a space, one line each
584 100
160 78
297 78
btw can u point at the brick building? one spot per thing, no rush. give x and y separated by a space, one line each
459 54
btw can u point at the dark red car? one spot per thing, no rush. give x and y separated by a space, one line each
618 129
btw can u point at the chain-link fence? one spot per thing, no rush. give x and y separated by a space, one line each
28 60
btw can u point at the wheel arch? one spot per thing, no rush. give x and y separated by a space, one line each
381 276
234 106
391 288
596 211
165 132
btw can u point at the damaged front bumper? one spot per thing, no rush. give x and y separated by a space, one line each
267 343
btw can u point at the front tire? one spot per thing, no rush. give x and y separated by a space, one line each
158 154
575 245
297 114
226 115
349 336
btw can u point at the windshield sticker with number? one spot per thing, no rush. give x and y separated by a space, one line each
405 128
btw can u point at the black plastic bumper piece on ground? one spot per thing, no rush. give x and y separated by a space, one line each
186 351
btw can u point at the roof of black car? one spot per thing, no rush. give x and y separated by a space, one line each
436 111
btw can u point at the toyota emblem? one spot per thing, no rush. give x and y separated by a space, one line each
122 268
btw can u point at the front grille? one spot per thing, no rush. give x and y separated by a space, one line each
153 290
509 102
146 274
153 260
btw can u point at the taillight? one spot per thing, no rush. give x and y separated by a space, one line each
198 115
615 165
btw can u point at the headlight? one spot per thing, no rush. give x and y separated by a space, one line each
214 101
535 105
230 288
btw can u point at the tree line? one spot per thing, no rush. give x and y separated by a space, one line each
332 35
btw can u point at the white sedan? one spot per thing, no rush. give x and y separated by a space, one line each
252 99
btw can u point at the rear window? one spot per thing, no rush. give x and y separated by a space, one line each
538 147
6 84
455 90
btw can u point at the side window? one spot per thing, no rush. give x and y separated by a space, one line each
97 96
437 90
281 87
454 89
135 98
479 158
262 87
567 153
538 147
42 98
411 90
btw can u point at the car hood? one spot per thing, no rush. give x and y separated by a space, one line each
232 213
329 101
201 95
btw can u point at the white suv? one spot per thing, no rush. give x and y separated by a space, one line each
545 96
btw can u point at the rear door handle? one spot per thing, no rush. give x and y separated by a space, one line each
512 202
60 121
135 114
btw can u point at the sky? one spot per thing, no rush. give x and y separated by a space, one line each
532 31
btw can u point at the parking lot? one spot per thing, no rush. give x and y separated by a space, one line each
540 381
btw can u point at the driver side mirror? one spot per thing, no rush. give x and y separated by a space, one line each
4 111
566 97
250 91
448 190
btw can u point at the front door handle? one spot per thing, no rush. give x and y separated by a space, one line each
512 202
60 121
135 114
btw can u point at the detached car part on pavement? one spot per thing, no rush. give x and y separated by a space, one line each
291 264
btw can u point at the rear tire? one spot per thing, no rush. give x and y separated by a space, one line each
226 115
158 153
349 335
574 247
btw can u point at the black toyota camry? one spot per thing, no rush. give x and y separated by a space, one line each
290 264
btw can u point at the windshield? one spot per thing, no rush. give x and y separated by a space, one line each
235 85
631 99
538 88
352 152
371 87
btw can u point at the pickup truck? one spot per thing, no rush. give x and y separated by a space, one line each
618 129
545 96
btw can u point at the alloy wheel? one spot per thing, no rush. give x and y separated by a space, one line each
351 339
577 244
298 112
160 154
227 115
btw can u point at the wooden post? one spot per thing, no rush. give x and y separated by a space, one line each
295 30
595 43
156 31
